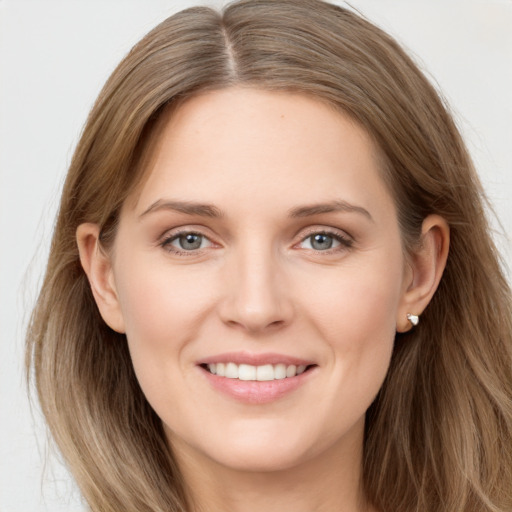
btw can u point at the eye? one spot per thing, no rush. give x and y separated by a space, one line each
187 241
324 241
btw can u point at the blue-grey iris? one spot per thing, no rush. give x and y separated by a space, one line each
321 242
190 241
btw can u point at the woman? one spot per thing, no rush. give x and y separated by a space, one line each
271 283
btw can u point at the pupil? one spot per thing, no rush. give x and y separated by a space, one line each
190 241
321 242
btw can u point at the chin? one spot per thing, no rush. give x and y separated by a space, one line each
260 460
259 448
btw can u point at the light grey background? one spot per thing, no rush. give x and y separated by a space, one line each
55 56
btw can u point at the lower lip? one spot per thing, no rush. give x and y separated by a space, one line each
257 392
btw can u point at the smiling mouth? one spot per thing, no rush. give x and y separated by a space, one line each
262 373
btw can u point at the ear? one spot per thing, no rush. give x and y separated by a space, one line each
426 266
98 268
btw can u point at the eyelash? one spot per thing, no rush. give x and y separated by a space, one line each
166 243
344 242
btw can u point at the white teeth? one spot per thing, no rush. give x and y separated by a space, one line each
247 372
221 369
265 372
280 371
232 371
291 370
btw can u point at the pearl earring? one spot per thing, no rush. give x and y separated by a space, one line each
414 319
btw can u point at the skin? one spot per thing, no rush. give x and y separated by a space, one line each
257 285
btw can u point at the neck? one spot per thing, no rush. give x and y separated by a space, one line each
329 482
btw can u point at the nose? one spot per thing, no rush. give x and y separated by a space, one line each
256 297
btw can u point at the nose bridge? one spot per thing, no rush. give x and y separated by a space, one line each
256 296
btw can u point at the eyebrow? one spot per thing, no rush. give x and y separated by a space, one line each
187 207
329 207
209 210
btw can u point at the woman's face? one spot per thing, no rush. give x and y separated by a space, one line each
264 246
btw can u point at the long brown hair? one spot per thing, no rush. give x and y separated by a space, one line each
439 434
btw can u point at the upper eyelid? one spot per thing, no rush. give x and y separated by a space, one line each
342 241
166 243
174 232
305 233
170 237
300 236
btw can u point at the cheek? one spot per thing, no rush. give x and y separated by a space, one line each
163 316
162 309
357 318
360 299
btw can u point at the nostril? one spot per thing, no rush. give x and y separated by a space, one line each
256 305
255 324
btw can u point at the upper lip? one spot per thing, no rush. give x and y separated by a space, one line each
255 359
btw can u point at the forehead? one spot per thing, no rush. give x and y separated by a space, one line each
247 143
